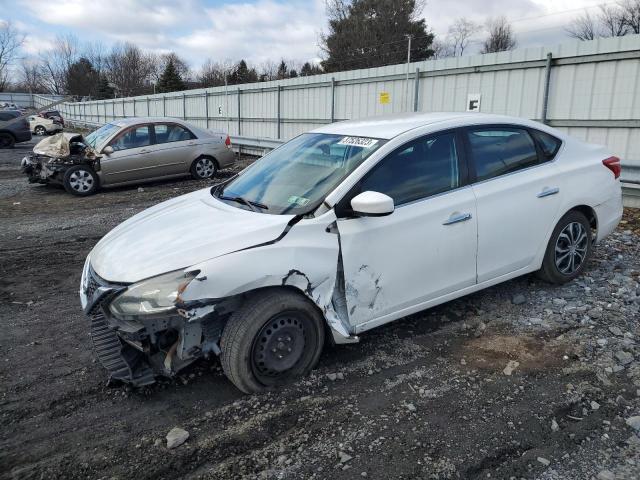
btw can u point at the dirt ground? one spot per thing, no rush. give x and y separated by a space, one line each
523 380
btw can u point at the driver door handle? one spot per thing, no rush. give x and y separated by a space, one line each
548 191
457 217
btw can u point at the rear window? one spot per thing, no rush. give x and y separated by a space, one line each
548 143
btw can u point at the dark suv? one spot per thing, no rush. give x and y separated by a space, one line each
15 132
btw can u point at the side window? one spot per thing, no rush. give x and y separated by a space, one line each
548 143
170 132
419 169
132 138
497 151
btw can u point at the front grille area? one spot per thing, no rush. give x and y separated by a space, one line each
123 362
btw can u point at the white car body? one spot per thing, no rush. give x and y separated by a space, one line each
367 271
43 125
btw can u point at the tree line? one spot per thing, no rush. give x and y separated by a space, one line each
360 34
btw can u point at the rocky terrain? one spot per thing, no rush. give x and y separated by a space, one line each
523 380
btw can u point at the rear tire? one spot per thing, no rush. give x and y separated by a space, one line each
203 167
569 249
7 140
81 180
275 338
40 130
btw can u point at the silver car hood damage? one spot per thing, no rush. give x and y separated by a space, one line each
179 233
59 145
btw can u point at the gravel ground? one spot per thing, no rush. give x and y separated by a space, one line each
522 380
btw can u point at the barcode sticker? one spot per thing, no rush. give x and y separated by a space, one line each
358 142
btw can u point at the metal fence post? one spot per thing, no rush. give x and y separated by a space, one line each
416 90
124 115
333 99
164 105
206 108
278 110
547 85
239 116
184 106
147 106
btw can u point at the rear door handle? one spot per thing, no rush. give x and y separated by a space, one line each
455 218
144 150
548 191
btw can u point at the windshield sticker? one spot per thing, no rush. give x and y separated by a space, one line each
301 201
358 142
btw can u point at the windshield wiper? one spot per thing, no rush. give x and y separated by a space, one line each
252 205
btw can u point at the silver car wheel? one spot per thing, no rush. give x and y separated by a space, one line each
571 248
205 168
81 181
40 130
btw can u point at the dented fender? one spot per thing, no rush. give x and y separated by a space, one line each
306 259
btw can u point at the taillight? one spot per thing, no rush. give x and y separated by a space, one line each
613 164
227 141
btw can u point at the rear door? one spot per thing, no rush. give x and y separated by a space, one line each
132 157
518 192
175 148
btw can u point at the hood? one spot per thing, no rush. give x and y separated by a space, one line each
57 146
179 233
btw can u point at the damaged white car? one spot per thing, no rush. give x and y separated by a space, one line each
338 231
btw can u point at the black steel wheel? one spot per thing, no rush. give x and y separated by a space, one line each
276 337
7 140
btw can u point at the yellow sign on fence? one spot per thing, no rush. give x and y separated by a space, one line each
384 98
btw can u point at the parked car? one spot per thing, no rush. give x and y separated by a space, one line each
128 151
15 131
53 115
43 126
338 231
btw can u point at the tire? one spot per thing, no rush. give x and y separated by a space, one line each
81 180
276 337
569 242
203 167
40 130
7 140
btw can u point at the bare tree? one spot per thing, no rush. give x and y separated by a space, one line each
583 27
631 14
159 64
460 34
55 63
213 74
30 78
500 37
96 53
612 21
442 49
10 43
129 69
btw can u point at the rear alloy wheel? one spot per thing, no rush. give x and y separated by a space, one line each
275 338
204 167
7 140
80 180
40 130
568 250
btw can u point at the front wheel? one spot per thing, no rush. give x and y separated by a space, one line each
203 167
276 337
568 250
80 180
40 130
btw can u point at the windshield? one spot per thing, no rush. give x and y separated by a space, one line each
296 177
100 135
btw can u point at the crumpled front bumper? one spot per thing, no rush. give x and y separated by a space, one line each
136 351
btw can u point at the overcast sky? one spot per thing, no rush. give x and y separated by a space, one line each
256 30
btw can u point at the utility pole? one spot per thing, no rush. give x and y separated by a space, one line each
406 83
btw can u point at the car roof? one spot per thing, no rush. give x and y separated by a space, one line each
125 122
390 126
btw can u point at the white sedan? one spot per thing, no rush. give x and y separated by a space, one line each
43 126
340 230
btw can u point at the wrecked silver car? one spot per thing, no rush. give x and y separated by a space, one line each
336 232
63 159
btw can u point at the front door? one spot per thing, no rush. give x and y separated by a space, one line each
132 157
426 248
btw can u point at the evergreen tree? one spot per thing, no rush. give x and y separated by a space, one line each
372 33
81 78
282 71
170 80
104 90
242 74
308 69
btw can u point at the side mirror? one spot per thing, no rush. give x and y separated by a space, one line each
108 150
372 204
